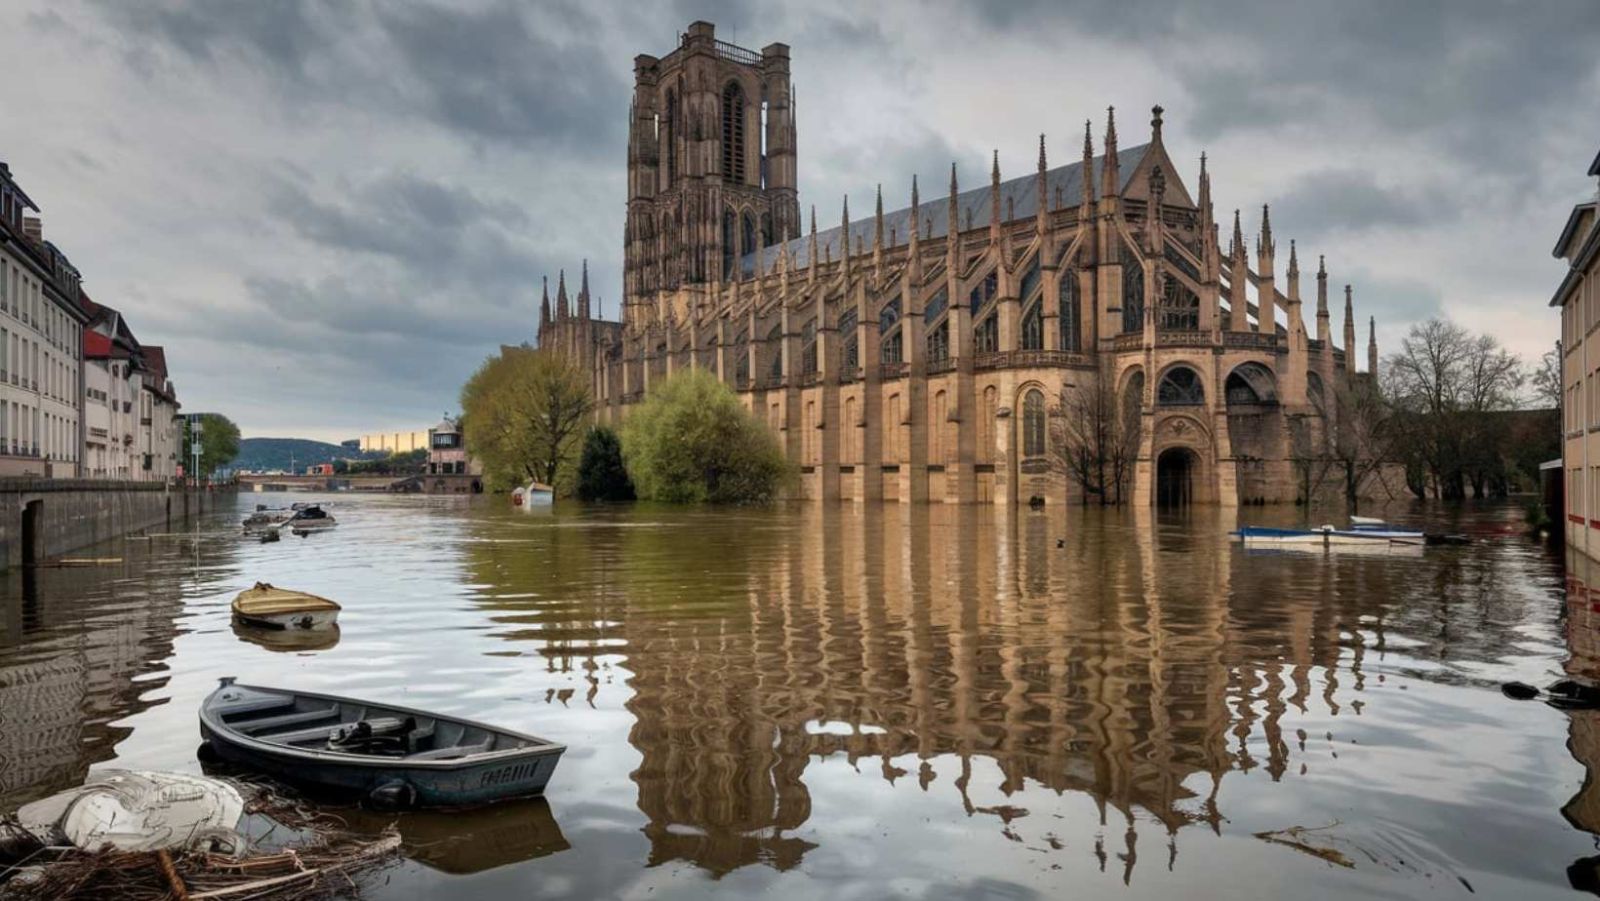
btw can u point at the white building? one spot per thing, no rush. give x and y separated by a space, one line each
130 405
41 363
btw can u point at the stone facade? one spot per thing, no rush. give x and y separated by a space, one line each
1578 297
925 354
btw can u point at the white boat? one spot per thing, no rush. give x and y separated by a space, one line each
532 495
281 608
1364 531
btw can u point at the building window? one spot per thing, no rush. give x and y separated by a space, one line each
1033 328
939 343
892 351
733 133
1132 295
986 337
1180 387
1033 423
1069 310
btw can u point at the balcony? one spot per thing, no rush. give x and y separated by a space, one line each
807 379
1131 341
946 364
888 371
1029 359
1263 340
1183 338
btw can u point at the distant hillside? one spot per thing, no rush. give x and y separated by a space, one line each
280 453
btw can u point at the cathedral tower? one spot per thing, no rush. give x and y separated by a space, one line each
711 165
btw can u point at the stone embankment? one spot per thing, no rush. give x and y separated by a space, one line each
45 518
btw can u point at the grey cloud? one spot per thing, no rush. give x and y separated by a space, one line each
1333 200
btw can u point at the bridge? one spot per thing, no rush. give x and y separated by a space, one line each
421 483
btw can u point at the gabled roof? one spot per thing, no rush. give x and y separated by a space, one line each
1594 167
95 345
155 359
1022 193
1569 232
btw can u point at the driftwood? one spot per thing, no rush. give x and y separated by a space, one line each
320 867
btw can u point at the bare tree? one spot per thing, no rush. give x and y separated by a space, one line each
1444 383
1547 379
1096 438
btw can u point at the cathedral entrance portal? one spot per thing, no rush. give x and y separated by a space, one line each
1175 477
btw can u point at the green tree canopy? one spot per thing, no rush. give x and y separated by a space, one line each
691 441
219 442
523 413
601 474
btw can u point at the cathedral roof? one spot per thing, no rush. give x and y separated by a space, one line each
1021 192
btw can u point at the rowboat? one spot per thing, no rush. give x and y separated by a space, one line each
1364 531
281 608
392 756
311 518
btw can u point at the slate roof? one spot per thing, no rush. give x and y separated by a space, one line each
1023 192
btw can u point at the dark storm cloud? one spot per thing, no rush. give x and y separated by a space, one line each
368 191
508 71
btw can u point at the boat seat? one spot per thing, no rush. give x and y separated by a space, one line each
454 751
233 711
267 724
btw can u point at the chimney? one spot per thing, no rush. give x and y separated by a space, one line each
33 229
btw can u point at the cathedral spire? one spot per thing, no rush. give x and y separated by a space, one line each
814 260
1155 124
1372 346
1042 214
1236 249
544 307
1111 180
1266 248
994 200
845 250
1294 280
916 212
1323 330
561 296
877 219
1349 334
953 229
1087 176
583 293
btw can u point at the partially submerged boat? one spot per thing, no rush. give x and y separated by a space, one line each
282 608
392 756
1364 531
311 518
533 494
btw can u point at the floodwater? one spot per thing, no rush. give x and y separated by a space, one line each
914 702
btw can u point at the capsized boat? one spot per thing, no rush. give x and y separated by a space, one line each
282 608
311 518
1363 531
392 756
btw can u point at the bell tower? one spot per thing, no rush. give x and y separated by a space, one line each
711 166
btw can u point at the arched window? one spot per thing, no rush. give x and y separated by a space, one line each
727 243
808 345
939 343
1069 310
1180 307
748 236
733 133
941 410
1251 383
851 434
986 337
986 412
1314 391
1033 423
1180 387
1132 294
892 351
670 137
767 237
1033 327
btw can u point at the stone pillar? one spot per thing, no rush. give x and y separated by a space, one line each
960 478
914 472
869 352
827 395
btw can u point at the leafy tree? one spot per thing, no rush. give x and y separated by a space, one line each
219 442
523 412
601 474
691 441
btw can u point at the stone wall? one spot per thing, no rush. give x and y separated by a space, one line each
45 518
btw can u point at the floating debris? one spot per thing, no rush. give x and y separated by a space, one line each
1296 837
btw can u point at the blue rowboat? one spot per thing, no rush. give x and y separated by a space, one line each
391 756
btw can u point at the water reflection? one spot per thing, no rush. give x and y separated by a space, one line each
1135 660
827 702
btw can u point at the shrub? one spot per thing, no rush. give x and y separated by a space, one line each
691 441
601 475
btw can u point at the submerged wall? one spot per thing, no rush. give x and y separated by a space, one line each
45 518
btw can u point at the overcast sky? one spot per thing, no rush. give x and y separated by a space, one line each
331 212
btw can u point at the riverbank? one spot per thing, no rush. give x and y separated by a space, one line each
45 518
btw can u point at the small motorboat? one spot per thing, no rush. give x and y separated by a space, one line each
265 519
392 756
310 518
281 608
1364 531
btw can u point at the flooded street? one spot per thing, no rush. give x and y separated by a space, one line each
847 703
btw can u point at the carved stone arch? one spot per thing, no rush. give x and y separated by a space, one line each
1252 383
1181 384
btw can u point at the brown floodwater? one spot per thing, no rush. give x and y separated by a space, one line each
858 703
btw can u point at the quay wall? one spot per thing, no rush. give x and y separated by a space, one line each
45 518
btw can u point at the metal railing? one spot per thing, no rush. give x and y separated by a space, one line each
738 54
1250 339
947 364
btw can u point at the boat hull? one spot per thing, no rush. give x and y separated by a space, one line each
297 620
460 782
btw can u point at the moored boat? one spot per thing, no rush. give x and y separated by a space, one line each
282 608
1363 531
393 756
